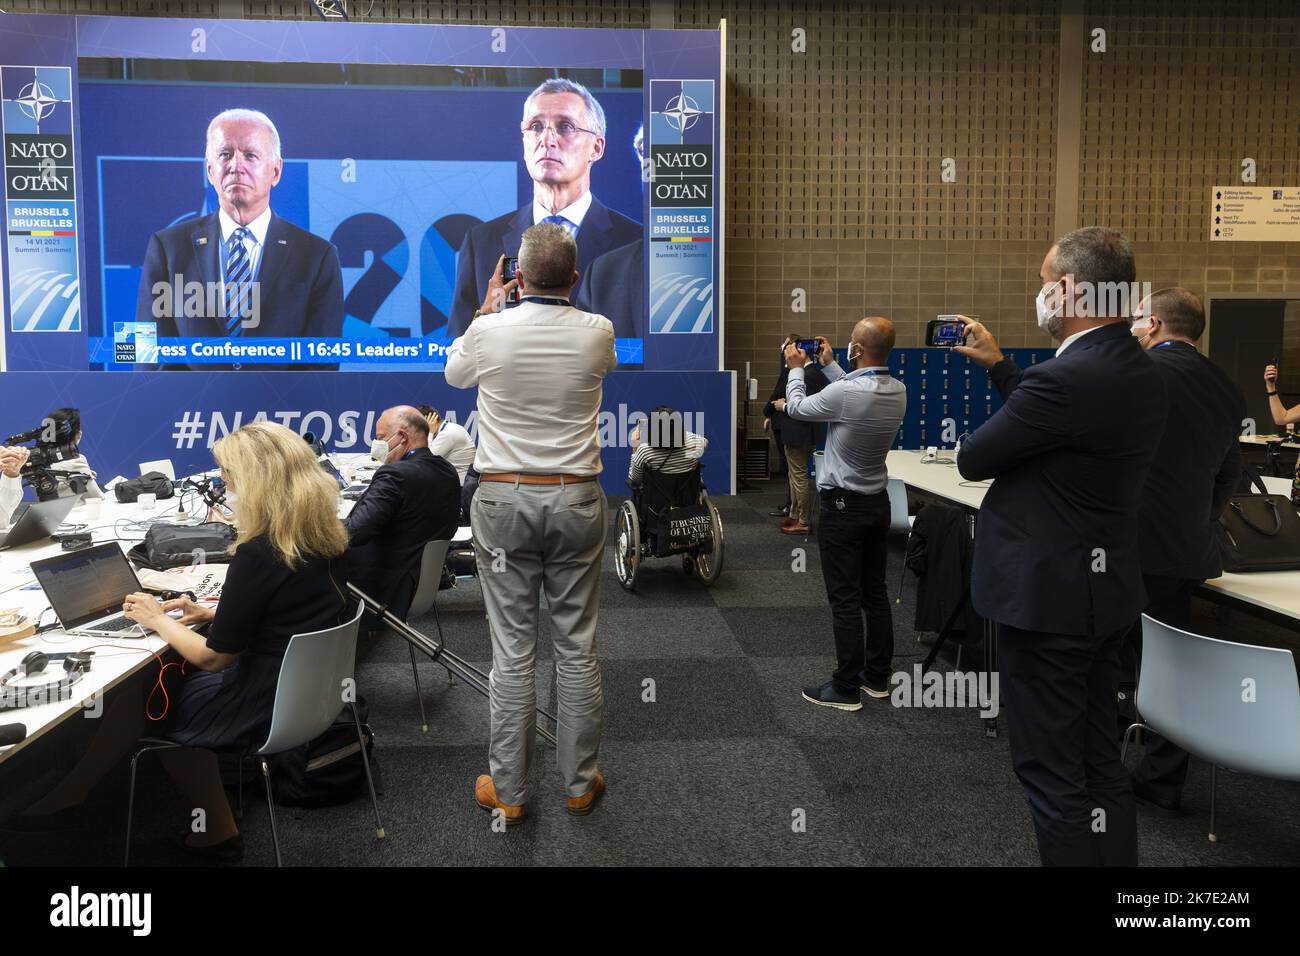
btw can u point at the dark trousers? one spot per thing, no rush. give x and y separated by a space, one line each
1164 765
1060 694
852 542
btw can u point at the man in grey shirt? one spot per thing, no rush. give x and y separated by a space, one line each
864 409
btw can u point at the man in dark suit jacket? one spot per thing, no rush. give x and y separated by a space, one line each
1057 562
1192 478
260 274
414 498
797 440
564 134
614 286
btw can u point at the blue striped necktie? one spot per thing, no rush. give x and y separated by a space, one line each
561 221
239 275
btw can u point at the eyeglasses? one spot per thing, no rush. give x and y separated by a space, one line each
563 129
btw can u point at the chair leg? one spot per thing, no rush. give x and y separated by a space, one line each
365 762
130 799
270 809
130 809
1128 734
451 678
419 694
1214 787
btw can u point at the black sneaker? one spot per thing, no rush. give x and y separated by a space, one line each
783 512
1148 796
872 689
828 696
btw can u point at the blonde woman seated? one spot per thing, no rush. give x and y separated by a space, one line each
286 577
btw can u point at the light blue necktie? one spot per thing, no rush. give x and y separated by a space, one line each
561 221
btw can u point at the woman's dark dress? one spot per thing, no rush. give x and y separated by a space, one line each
263 604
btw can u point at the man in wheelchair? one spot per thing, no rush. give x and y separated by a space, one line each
669 512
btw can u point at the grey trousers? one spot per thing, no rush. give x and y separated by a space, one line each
530 540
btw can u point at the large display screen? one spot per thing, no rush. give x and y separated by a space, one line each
210 222
419 178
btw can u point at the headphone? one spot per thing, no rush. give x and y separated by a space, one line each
75 666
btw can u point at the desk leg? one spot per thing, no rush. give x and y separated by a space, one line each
991 668
990 635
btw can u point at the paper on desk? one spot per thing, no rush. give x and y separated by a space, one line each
15 578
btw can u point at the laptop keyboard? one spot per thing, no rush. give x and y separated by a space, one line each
122 623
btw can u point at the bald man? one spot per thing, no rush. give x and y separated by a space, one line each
863 409
414 498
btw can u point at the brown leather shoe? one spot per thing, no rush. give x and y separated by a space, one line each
581 806
486 796
788 523
797 527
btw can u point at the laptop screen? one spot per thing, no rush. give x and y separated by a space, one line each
84 586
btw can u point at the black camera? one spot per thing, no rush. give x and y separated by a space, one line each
52 443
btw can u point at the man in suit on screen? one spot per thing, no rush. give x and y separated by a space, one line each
614 284
563 134
261 275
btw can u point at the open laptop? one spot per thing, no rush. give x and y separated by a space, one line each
33 520
86 589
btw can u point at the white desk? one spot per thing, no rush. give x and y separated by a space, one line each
112 664
1274 592
936 478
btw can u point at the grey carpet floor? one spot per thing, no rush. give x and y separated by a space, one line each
727 765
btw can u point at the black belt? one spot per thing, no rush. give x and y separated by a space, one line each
847 493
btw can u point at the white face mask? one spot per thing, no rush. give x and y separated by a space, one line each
1049 319
853 356
379 450
1141 330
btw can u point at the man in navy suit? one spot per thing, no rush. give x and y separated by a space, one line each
414 498
614 284
262 276
1057 561
564 134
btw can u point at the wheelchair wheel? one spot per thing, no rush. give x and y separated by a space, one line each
709 566
627 545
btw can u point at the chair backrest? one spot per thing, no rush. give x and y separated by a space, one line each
1236 705
897 491
662 491
163 464
426 589
310 689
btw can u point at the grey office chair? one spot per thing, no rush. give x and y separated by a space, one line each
900 522
1233 705
425 600
315 677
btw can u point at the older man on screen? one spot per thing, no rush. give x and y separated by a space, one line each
563 129
273 279
539 515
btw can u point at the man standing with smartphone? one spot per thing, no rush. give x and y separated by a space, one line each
539 514
864 409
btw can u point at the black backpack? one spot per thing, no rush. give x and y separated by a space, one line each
176 546
328 771
150 483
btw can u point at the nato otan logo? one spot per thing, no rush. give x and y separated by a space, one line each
36 99
76 909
